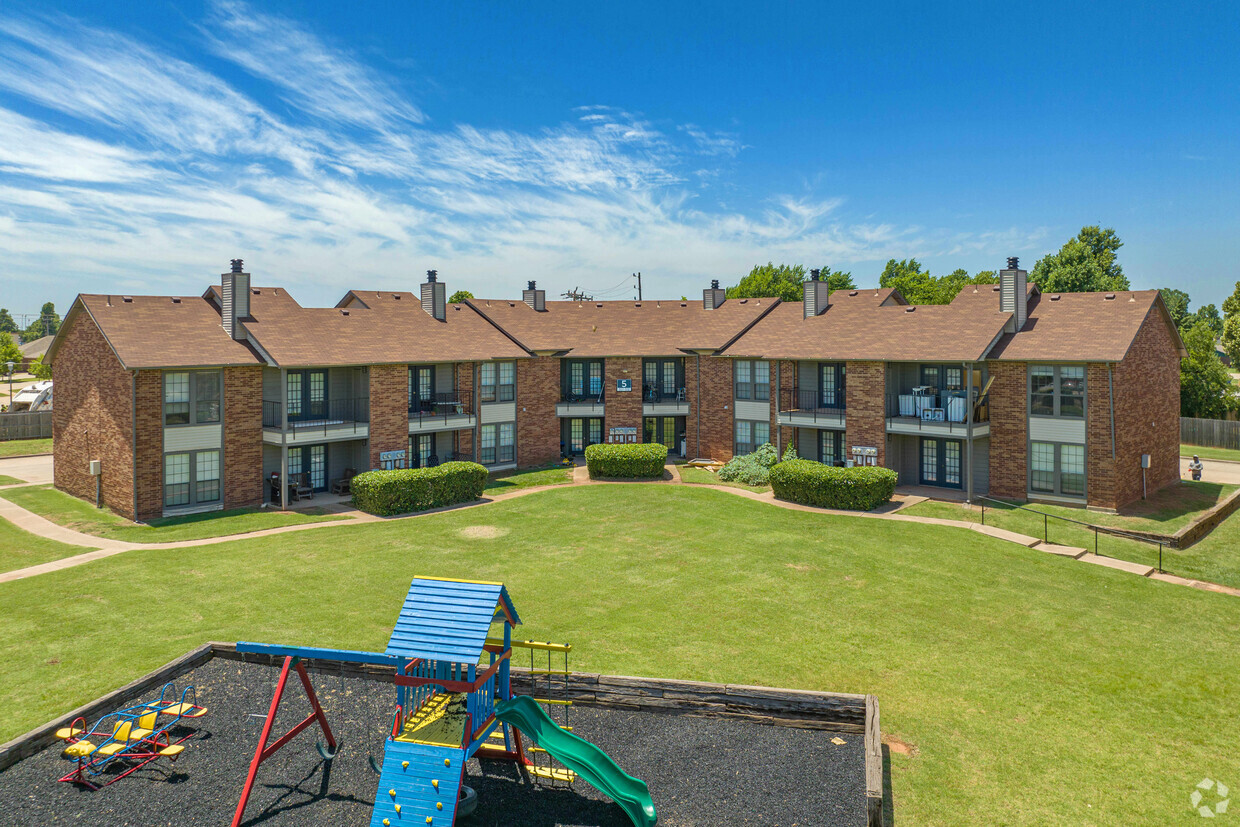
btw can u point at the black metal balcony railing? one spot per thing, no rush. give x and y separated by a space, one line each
944 411
662 393
332 415
441 406
813 404
581 396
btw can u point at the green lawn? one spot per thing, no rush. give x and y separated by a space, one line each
1215 559
18 447
1034 689
548 475
1210 453
79 515
6 480
19 549
700 476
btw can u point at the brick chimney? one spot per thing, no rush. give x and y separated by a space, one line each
534 297
235 300
434 296
1014 294
714 295
817 295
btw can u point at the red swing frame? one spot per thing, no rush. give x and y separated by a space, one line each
265 750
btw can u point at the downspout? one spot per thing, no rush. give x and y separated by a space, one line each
699 406
968 397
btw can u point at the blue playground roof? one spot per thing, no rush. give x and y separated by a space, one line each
449 619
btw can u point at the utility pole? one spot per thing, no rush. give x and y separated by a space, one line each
576 295
638 276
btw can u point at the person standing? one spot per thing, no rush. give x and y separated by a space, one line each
1195 467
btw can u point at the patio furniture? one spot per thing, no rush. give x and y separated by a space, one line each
299 484
341 486
432 460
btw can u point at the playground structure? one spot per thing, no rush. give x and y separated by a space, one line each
451 706
134 737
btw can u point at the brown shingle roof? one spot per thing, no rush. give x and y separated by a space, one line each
1081 327
861 328
157 332
624 328
375 329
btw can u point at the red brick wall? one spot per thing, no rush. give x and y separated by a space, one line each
1147 411
716 405
389 410
465 385
786 375
243 436
149 444
92 417
865 421
1009 430
1099 466
624 410
538 429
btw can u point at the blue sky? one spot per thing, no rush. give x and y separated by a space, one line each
336 145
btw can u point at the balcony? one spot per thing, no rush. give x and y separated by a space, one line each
578 403
800 408
658 400
449 411
330 421
931 413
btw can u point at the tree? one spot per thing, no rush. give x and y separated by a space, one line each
46 325
768 279
1177 302
1086 263
919 287
7 325
1208 315
40 370
1206 389
460 296
837 280
9 352
1231 304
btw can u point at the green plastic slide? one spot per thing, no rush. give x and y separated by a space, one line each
580 756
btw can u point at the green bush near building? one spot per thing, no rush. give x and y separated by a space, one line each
751 469
624 462
812 483
406 490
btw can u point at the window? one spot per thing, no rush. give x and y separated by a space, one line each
507 442
584 380
1055 468
831 447
930 460
486 455
191 398
202 468
752 379
831 385
1057 390
507 381
294 395
486 382
953 378
421 447
751 435
576 438
596 431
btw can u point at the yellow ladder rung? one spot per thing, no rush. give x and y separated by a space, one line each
553 701
554 774
538 749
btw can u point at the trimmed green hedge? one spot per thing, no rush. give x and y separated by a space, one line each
812 483
416 489
643 461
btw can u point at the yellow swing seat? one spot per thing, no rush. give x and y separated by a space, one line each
184 710
65 733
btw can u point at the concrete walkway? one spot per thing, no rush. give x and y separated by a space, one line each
36 469
1213 470
106 548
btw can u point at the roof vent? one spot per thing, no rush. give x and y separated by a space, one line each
1132 297
1055 297
176 299
713 296
814 274
1109 297
432 275
854 292
534 297
637 304
684 304
434 296
910 308
1013 262
815 295
234 301
1014 295
343 312
254 291
127 299
236 265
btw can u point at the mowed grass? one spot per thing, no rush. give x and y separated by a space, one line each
700 476
79 515
19 548
1033 689
549 475
7 480
1215 559
20 447
1226 454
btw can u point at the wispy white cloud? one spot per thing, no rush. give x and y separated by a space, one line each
123 166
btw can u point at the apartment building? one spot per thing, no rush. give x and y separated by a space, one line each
208 402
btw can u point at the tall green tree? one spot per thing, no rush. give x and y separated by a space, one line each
1177 302
837 279
770 279
1231 340
1085 263
9 352
460 296
1206 389
46 325
1231 304
918 286
1209 316
7 325
40 370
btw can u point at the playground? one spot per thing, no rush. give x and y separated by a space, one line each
436 731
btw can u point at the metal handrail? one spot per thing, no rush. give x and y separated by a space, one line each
337 414
1097 529
441 406
803 401
574 397
894 412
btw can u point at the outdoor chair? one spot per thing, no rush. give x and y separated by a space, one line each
432 460
300 484
341 486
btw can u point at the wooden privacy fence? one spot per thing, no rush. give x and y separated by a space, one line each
25 425
1210 433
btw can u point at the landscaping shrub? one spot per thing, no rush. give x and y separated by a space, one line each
751 469
416 489
644 461
812 483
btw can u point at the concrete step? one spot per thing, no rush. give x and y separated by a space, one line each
1004 534
1063 551
1122 565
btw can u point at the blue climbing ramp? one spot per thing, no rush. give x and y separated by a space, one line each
419 785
